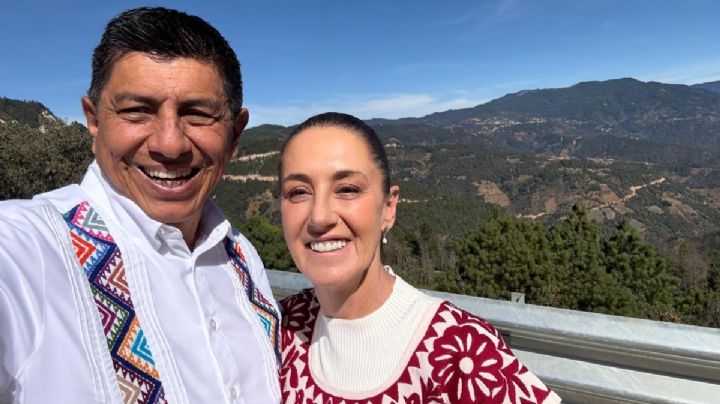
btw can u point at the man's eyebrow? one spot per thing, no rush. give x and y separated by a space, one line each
149 100
133 97
202 103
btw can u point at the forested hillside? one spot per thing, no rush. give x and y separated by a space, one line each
30 113
604 196
567 232
711 86
35 160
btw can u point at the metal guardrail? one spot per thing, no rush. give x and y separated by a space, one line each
590 357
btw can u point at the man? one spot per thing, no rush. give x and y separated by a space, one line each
131 287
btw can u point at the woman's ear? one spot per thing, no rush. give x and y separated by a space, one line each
390 208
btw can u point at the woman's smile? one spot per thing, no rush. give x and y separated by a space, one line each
327 246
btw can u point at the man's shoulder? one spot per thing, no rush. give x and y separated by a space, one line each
60 197
21 218
27 241
19 214
244 243
237 236
247 252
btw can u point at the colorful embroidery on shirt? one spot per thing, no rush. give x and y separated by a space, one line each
100 257
266 312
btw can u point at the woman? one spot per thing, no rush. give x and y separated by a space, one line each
363 334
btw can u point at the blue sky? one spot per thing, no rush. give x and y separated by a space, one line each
386 59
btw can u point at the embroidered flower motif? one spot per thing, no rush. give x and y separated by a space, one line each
513 383
413 399
290 375
432 393
295 312
297 397
467 363
287 338
463 317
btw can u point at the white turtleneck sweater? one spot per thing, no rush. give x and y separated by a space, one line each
369 353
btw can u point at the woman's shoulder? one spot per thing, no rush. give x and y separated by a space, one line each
459 321
299 309
471 362
290 302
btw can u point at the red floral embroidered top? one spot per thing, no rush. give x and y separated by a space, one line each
460 359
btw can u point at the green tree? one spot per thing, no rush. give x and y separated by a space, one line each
506 255
269 241
35 160
713 278
712 312
638 268
584 283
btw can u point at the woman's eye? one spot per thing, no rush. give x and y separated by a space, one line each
348 190
296 194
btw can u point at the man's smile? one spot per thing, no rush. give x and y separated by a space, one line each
169 178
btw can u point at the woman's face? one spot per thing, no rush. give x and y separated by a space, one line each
333 206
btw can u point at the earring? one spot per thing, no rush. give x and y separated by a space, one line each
384 237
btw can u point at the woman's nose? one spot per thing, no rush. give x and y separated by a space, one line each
322 215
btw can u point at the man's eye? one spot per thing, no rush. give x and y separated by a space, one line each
134 113
198 117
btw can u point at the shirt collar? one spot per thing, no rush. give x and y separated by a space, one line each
213 225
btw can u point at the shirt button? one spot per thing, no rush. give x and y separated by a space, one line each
234 393
213 324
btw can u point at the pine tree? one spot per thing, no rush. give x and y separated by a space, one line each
636 267
584 283
507 255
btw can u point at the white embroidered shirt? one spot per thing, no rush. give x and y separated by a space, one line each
206 340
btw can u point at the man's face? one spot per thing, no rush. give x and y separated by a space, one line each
162 134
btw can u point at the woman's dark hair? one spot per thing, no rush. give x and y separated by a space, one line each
165 34
355 125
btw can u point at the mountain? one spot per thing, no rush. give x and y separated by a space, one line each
31 113
557 121
646 153
629 151
713 86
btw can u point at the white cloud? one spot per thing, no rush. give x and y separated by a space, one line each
486 15
390 106
694 73
504 9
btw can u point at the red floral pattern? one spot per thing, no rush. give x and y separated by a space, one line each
461 359
465 358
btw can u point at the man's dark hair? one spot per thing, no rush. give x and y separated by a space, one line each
355 125
165 34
